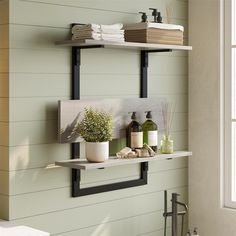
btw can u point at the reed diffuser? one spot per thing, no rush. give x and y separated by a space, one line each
169 11
167 144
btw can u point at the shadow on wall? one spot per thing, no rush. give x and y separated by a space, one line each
102 229
26 154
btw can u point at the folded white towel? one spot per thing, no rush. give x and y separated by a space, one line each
87 34
112 36
93 27
76 30
112 31
110 27
148 25
83 37
93 31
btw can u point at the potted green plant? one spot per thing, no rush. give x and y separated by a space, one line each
96 129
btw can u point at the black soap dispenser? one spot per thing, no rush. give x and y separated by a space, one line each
154 14
159 18
134 133
195 232
143 17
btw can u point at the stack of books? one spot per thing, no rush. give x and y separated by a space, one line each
146 32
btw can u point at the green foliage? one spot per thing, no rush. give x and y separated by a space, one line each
96 126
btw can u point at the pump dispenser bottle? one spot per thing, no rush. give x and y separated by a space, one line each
195 232
150 132
144 16
134 133
188 233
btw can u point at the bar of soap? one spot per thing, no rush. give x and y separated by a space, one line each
131 155
150 150
123 152
138 152
144 152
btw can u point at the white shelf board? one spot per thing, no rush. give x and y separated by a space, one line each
83 164
125 45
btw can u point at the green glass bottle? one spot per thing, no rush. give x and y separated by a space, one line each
134 133
150 132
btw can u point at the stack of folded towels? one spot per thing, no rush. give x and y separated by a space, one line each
98 32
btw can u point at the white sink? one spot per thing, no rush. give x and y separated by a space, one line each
9 229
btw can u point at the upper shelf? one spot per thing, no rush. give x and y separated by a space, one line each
125 45
83 164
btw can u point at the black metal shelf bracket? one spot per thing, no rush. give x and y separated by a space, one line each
77 191
144 70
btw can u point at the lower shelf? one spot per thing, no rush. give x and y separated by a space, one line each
83 164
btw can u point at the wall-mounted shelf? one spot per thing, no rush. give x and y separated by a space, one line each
75 164
83 164
125 45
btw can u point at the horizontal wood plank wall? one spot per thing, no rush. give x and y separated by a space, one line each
4 109
40 76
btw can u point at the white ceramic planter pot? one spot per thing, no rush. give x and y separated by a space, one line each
97 152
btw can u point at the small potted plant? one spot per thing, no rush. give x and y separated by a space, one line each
96 129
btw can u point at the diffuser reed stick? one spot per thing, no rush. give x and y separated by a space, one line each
169 11
168 110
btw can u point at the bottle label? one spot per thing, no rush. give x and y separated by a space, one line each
136 139
153 138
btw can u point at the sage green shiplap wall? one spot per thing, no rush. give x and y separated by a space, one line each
40 75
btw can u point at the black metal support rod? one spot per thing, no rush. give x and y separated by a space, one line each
75 147
174 215
111 187
144 74
75 73
77 191
158 50
144 94
91 46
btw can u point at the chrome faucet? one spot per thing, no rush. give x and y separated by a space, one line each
174 213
